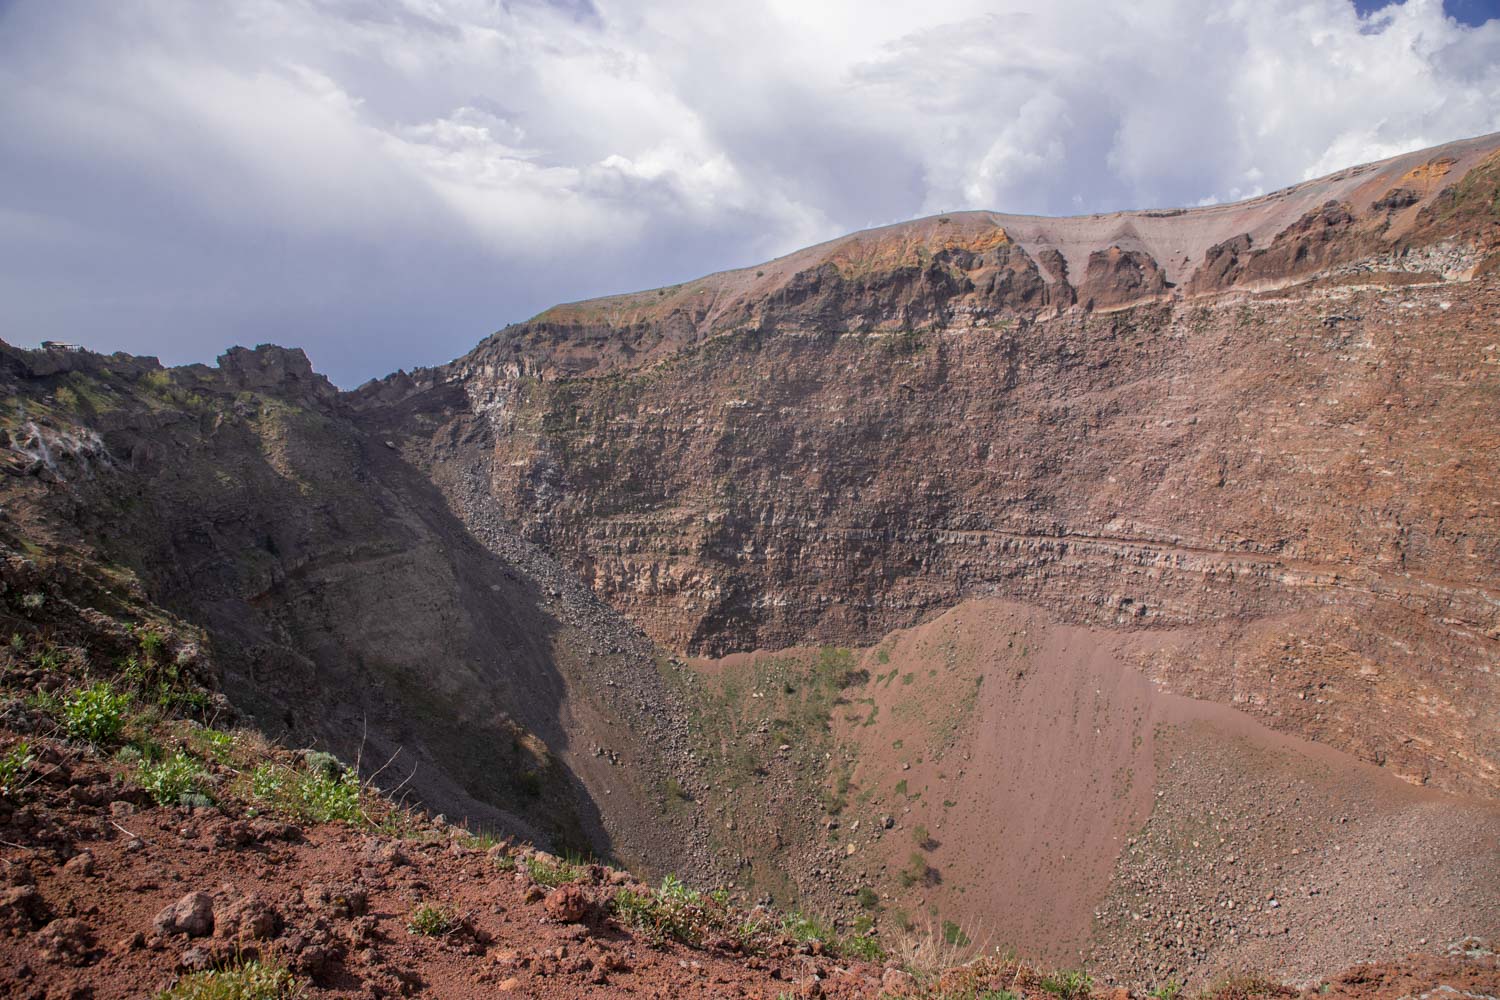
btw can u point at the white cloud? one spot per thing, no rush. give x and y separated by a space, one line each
339 172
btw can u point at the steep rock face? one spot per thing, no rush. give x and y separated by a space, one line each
348 606
854 437
1118 277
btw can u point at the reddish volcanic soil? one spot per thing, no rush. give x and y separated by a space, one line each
340 902
87 877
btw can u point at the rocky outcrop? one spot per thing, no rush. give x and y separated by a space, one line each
1118 277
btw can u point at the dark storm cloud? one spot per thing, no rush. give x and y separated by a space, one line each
385 181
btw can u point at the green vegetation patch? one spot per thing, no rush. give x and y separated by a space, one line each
310 795
95 714
15 769
1068 984
253 980
431 921
178 780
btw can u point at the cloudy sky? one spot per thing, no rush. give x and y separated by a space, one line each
384 182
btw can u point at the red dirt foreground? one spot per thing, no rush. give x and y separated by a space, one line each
108 895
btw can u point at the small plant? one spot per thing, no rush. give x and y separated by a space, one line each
1169 990
15 768
431 921
672 911
917 870
481 841
868 897
47 702
177 781
95 713
323 799
674 795
254 980
954 934
1069 984
861 946
322 762
218 744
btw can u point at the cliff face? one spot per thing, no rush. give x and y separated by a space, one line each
348 607
1271 421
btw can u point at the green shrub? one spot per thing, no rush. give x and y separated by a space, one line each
178 780
321 762
431 921
868 897
954 934
674 795
95 713
684 914
257 980
310 796
15 768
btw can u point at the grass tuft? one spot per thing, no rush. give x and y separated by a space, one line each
431 921
1068 984
553 872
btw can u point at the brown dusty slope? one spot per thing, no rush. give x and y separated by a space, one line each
1019 779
